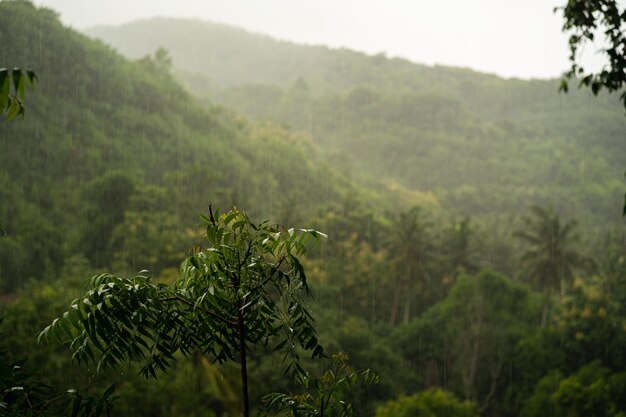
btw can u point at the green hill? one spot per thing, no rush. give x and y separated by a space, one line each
114 160
480 144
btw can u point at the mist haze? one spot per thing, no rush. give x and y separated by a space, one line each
489 35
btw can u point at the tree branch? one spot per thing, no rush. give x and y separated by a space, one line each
269 277
211 217
224 320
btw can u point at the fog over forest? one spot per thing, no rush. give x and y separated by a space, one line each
511 39
223 219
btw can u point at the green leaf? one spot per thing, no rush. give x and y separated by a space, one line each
76 406
229 217
109 392
624 210
595 87
281 345
18 82
5 85
311 343
32 77
15 109
318 352
99 407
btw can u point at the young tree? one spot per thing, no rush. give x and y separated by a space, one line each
246 288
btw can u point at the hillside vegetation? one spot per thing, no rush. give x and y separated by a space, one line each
481 144
103 135
476 253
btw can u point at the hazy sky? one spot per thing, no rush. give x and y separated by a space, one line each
520 38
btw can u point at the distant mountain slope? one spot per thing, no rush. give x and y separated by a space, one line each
484 145
229 56
114 160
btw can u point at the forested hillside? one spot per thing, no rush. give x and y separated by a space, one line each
476 253
482 145
104 135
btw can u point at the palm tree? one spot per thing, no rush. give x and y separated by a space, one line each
461 253
551 257
411 250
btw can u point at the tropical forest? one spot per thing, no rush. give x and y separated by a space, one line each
197 220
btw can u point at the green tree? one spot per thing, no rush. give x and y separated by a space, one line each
551 257
591 391
592 322
460 248
411 250
434 402
466 342
106 198
247 287
159 63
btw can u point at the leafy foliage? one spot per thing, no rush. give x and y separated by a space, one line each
584 21
327 395
434 402
412 257
22 394
12 91
592 322
591 391
551 256
244 288
466 341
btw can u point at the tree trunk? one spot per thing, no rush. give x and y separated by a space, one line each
407 308
395 305
243 364
469 374
545 313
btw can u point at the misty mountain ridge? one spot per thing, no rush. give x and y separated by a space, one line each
479 143
225 45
